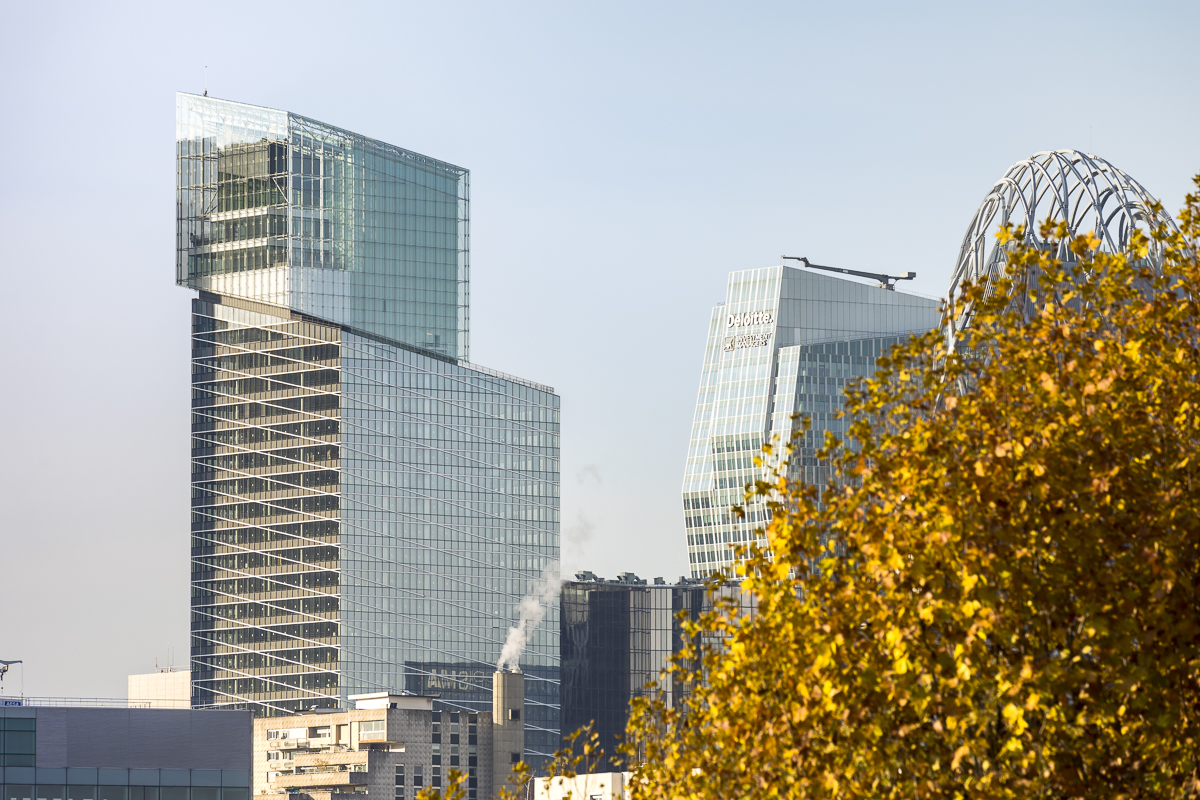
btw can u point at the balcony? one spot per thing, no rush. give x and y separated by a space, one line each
343 758
332 776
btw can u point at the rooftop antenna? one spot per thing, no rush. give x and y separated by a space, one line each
206 80
885 281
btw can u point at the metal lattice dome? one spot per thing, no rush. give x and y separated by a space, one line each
1085 191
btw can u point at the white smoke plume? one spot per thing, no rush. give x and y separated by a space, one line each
589 471
542 593
577 536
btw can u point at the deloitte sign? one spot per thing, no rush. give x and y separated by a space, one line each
748 319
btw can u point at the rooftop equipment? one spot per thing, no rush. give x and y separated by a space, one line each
885 281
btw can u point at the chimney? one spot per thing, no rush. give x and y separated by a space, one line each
508 725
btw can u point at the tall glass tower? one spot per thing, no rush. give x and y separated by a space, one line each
784 341
368 508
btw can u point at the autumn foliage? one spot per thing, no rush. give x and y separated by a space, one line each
1000 596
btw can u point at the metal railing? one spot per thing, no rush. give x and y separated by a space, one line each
83 702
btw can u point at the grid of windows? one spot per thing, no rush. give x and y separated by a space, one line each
283 209
368 507
265 507
56 791
617 636
365 517
90 783
450 495
785 341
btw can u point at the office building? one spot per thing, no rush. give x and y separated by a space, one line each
368 507
165 688
93 753
785 341
617 635
390 746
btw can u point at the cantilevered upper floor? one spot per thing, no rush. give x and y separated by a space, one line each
278 208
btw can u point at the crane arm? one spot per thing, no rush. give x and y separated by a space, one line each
884 280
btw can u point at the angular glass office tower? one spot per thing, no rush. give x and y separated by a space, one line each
784 341
368 507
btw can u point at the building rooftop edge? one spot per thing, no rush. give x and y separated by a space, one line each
300 316
345 131
629 579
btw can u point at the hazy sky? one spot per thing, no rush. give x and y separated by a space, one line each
624 158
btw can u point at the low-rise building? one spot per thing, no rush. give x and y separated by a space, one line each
389 746
589 786
119 753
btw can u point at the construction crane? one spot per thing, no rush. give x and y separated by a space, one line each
885 281
4 665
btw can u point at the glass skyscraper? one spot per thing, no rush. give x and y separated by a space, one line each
368 507
616 638
785 341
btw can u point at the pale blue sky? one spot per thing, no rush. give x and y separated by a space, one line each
624 158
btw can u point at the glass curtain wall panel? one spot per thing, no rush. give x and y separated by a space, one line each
366 517
450 512
266 428
785 341
616 638
369 508
282 209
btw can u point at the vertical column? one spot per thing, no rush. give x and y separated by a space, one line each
508 724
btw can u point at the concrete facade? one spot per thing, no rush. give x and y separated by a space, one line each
388 746
508 727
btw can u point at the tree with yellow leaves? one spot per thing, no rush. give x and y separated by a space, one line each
1000 595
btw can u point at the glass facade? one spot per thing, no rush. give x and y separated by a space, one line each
785 341
616 637
91 783
18 741
368 508
279 208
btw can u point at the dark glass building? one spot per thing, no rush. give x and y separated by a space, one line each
616 637
368 507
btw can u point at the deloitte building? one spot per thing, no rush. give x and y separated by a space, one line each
785 341
368 507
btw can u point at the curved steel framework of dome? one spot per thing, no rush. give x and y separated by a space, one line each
1085 191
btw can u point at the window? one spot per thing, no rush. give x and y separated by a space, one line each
418 775
372 729
287 733
514 714
17 740
515 757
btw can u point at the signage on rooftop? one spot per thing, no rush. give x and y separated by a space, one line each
748 319
745 340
